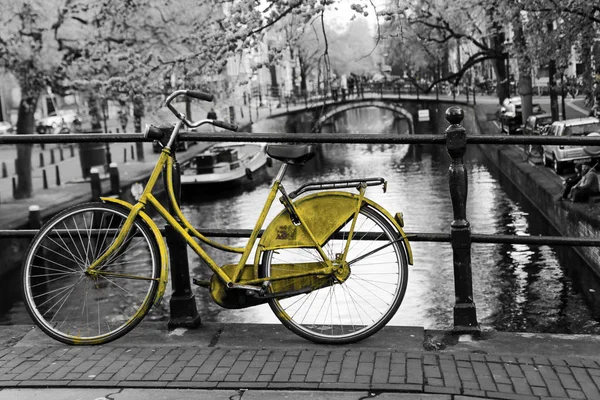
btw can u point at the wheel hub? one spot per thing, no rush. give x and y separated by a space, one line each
341 269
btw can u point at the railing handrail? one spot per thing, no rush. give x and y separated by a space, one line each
357 138
412 236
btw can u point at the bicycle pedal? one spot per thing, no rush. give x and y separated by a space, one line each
201 282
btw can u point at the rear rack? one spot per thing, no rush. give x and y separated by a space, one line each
341 184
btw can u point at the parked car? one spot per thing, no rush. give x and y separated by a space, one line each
558 156
535 124
6 128
511 117
64 122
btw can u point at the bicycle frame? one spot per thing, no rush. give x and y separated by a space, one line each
183 227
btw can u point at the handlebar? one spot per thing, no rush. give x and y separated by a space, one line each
201 96
167 134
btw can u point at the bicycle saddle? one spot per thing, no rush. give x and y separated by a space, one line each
291 153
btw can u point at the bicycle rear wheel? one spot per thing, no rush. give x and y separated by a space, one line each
349 311
74 306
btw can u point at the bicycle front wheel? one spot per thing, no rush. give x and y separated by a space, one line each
77 307
348 311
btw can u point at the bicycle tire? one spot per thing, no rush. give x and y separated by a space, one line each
361 305
73 306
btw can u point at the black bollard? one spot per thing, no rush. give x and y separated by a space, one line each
183 302
44 179
72 150
115 185
35 217
41 160
465 316
14 186
139 151
124 155
108 154
61 154
57 171
95 183
4 170
52 160
132 154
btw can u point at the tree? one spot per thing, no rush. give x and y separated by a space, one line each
29 52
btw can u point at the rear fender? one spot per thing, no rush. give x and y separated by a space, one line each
162 248
324 213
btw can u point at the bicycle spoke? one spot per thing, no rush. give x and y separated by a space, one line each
362 301
97 306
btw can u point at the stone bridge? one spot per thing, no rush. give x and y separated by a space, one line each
418 112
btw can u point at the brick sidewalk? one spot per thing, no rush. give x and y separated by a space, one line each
487 376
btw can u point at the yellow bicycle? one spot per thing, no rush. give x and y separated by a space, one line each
333 265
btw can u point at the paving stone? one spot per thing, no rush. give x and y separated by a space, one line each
539 391
153 374
510 396
364 368
347 375
333 367
440 389
486 383
473 395
434 381
522 385
466 374
218 374
282 374
568 381
239 367
186 374
534 378
251 374
576 394
586 383
432 371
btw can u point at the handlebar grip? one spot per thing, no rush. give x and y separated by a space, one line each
153 132
199 95
225 125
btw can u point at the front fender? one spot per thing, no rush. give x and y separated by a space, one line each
162 248
324 213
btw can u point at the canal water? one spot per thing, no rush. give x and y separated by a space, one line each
516 287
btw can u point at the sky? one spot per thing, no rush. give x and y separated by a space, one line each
340 14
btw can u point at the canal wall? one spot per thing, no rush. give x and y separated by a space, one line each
541 187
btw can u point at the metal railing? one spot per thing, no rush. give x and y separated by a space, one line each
455 139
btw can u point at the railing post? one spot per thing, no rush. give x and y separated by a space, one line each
183 302
465 316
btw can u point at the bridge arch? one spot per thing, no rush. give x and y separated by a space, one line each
337 109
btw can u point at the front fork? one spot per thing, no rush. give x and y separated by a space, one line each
120 239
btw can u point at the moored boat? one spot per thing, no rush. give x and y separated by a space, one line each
224 166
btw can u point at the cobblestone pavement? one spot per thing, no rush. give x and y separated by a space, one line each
35 362
487 376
